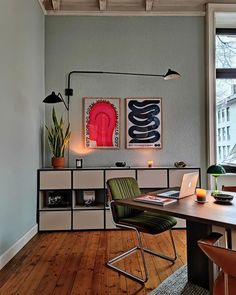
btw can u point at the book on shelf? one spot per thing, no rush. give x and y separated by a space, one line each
155 200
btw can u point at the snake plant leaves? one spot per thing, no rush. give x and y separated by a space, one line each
57 138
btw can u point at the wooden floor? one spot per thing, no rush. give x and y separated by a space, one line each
74 263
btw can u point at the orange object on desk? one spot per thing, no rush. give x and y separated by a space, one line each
201 194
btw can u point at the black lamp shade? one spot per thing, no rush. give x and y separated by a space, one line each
216 170
52 98
171 75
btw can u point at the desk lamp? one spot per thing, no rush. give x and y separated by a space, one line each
216 171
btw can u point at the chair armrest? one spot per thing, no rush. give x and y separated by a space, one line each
224 258
211 239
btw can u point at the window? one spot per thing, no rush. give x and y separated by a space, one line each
223 115
223 133
219 134
227 112
228 132
219 152
225 94
224 152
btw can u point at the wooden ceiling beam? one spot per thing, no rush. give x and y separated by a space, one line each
47 4
41 3
103 5
124 7
56 4
149 5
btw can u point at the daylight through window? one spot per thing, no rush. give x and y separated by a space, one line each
226 96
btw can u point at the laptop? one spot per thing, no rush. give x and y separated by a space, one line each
188 186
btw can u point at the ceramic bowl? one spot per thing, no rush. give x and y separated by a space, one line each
223 198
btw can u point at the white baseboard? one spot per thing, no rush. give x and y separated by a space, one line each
14 249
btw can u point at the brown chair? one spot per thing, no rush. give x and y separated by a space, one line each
229 188
228 231
225 284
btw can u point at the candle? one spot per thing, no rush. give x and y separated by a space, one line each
150 163
201 194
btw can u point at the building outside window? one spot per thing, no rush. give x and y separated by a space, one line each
228 132
219 134
228 113
223 115
223 133
219 152
219 117
224 152
226 96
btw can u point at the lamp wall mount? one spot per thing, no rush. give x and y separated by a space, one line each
69 92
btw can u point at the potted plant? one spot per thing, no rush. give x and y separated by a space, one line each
58 140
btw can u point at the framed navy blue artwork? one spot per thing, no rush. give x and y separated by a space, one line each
144 122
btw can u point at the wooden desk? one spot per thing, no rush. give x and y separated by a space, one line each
199 221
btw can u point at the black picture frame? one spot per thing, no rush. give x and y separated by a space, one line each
144 122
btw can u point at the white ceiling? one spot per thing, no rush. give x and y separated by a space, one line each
127 7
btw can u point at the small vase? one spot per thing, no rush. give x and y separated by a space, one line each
58 162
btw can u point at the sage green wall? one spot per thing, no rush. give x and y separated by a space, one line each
132 44
22 89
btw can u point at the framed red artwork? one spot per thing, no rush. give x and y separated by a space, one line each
102 122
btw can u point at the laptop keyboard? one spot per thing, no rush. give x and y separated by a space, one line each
175 195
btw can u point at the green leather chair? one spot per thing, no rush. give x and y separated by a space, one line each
140 221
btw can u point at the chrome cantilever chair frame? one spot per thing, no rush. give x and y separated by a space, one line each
136 248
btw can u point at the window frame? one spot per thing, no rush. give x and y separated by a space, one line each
213 11
225 73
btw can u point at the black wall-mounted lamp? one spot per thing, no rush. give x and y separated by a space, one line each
171 75
55 98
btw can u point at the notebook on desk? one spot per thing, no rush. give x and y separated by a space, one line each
188 186
155 200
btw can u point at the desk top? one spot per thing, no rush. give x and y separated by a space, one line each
208 213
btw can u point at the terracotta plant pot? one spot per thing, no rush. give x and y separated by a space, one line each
58 162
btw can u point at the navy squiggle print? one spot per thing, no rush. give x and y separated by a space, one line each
143 116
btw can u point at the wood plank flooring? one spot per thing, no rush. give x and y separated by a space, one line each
73 263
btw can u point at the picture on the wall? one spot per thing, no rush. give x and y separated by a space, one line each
102 122
144 123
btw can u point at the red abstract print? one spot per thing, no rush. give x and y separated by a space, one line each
102 123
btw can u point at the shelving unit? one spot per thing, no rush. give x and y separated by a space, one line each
76 199
89 199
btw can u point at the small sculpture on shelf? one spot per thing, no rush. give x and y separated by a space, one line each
89 198
180 164
120 164
57 199
89 203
